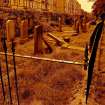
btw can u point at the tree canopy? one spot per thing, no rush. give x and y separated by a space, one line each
99 7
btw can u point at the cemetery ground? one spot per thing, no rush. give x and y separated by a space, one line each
50 83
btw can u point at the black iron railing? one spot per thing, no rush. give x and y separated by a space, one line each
8 92
93 46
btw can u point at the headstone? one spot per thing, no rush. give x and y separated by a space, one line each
10 30
0 39
23 30
60 24
84 29
74 24
77 26
31 25
38 37
18 22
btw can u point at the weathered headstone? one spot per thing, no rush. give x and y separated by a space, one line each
60 24
84 29
0 39
74 24
38 37
10 30
77 26
31 26
23 30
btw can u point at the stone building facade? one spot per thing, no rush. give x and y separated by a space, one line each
71 7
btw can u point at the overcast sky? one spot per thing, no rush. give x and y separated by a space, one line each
86 5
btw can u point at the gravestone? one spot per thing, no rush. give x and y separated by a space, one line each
84 29
77 26
60 24
10 30
23 30
38 37
31 26
0 39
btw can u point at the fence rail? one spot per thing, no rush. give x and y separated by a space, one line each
44 59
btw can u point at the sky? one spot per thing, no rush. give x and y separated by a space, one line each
87 6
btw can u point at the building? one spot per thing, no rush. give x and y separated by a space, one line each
4 3
73 7
59 6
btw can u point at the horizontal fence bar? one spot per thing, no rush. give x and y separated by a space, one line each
44 59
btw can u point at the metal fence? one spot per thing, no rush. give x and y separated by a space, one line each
8 93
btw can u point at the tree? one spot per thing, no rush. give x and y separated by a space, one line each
99 7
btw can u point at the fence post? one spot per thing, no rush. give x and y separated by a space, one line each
86 58
93 57
15 74
2 82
